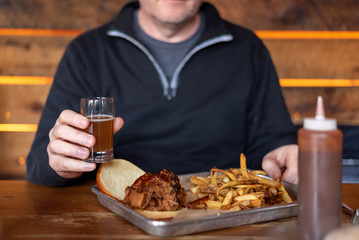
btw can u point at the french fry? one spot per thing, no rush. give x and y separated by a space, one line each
273 191
197 181
243 162
207 189
228 184
195 189
245 204
200 202
240 204
201 195
256 203
235 208
220 197
237 189
235 171
228 199
248 186
259 195
214 179
213 204
221 177
264 181
226 207
260 172
223 192
241 191
245 197
284 194
228 174
226 179
204 179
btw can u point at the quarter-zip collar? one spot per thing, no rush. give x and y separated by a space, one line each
214 32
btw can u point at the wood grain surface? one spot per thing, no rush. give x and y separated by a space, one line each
31 211
350 196
254 14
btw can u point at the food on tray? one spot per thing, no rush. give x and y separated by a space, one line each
160 195
156 192
237 189
156 196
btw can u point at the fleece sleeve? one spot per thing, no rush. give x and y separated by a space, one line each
68 87
269 125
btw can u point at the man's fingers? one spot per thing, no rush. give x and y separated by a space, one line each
63 165
73 135
65 159
271 166
72 118
285 157
60 147
69 174
69 144
290 176
117 124
291 172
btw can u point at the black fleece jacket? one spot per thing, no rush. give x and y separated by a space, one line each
224 99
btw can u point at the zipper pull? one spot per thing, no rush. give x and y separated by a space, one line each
169 93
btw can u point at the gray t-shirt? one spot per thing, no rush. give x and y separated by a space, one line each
168 55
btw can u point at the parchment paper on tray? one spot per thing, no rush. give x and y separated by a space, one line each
189 221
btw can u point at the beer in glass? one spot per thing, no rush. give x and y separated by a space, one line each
100 112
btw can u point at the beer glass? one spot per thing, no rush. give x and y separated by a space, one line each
100 112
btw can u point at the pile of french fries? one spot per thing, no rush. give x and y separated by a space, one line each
237 189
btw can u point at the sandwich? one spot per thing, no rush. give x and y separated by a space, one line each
156 196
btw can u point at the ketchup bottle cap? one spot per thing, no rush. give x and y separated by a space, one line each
320 123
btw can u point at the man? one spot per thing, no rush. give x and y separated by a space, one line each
193 90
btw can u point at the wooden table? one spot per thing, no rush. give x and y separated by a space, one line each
29 211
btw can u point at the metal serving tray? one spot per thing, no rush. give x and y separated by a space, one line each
192 221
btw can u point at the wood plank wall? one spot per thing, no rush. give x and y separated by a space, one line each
314 45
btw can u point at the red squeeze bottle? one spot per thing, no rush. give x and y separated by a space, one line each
320 175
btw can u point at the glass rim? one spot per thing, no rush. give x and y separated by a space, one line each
98 98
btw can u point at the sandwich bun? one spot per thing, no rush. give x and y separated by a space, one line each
113 177
158 215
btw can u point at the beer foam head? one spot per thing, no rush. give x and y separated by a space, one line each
100 118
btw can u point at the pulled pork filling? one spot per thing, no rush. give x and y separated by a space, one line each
156 192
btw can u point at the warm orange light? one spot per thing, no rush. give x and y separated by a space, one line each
308 34
21 161
7 115
18 127
39 32
296 116
307 82
271 34
25 80
284 82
